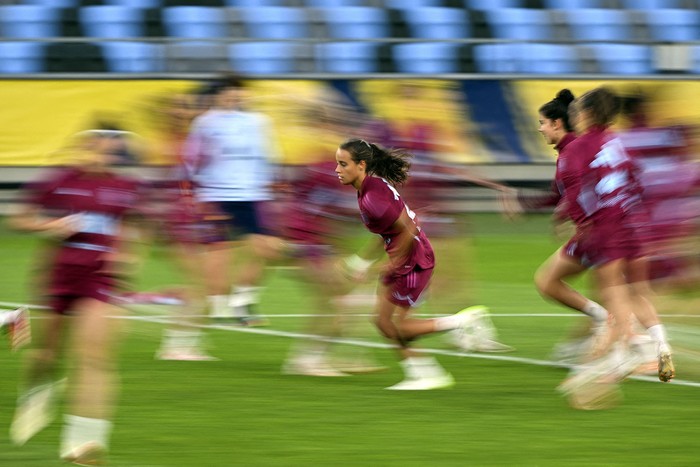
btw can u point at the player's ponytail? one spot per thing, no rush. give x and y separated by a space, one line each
558 108
390 164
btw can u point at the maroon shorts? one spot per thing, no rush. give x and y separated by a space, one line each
405 290
600 245
71 282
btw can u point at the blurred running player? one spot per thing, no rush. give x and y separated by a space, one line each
374 172
602 197
551 277
229 155
82 209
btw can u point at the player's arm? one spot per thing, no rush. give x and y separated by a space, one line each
356 266
404 242
28 218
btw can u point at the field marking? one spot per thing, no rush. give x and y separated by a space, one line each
381 345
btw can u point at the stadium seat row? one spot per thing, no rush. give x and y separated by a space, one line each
471 4
118 22
275 57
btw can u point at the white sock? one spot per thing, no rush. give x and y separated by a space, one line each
6 318
218 306
181 339
244 295
658 334
78 431
595 311
422 367
445 323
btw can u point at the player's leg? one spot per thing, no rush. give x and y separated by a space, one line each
37 398
183 339
85 436
550 280
648 317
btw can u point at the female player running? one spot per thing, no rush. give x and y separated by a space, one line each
374 172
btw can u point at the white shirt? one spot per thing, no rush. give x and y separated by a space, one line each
229 155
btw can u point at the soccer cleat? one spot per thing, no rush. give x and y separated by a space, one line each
19 330
666 368
90 453
34 413
185 355
311 367
424 384
476 332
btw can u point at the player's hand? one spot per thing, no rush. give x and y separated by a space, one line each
354 268
510 205
62 227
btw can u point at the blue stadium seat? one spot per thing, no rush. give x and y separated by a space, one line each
263 57
53 3
196 56
651 4
599 24
521 24
573 4
496 58
356 22
493 4
347 57
427 57
333 3
195 22
548 59
410 4
21 57
112 21
623 59
438 23
673 25
254 3
133 57
135 3
29 21
276 22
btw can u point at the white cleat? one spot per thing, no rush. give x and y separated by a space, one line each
424 384
477 332
186 356
318 368
19 330
33 414
90 453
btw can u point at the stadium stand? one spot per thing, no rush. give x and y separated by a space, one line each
195 22
361 36
427 57
21 57
133 57
438 23
276 22
113 22
74 57
29 21
622 59
347 57
673 25
264 57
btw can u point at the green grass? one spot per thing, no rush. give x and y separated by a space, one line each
241 411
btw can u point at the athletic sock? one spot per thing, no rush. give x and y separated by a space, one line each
78 431
595 311
218 306
445 323
658 334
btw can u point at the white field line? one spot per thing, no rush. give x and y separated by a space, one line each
381 345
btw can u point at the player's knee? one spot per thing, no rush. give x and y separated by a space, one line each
385 327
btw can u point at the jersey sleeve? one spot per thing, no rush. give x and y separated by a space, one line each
383 206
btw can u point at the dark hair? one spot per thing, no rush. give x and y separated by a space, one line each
601 104
558 108
227 81
390 164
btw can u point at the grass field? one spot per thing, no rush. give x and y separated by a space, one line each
503 411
